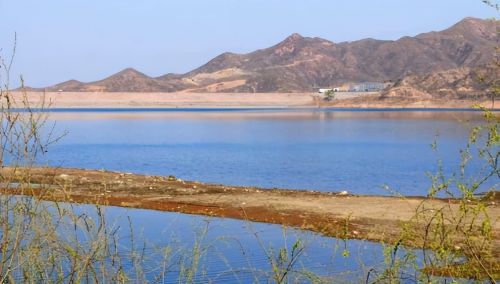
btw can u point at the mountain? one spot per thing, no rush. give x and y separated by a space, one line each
300 64
129 80
457 83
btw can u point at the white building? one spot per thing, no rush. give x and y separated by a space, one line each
367 87
323 91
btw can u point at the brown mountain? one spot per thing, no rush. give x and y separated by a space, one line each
129 80
302 63
457 83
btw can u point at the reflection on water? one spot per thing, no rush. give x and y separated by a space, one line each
293 114
327 150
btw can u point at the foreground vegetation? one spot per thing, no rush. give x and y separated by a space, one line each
53 242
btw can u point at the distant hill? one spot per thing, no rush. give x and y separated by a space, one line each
457 83
299 64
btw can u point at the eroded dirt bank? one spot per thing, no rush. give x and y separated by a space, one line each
334 214
117 100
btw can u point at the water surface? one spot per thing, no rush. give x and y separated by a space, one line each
365 152
327 150
232 251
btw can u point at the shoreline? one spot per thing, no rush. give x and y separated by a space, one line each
243 108
340 215
269 101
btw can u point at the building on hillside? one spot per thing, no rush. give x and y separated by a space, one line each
340 88
367 87
325 90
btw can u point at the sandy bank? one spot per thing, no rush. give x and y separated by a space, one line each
168 100
362 217
232 100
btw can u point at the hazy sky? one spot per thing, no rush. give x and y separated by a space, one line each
87 40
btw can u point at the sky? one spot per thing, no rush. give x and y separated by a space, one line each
88 40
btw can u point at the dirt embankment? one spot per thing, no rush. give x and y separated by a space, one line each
233 100
374 218
407 102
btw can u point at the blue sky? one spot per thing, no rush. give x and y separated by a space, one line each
88 40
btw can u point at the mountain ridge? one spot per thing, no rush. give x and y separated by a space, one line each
299 63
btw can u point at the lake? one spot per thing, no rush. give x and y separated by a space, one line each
231 251
377 152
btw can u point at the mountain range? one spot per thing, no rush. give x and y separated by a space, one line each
434 61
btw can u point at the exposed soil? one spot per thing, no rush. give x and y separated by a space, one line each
402 102
342 215
232 100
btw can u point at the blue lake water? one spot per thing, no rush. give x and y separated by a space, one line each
326 150
232 251
364 152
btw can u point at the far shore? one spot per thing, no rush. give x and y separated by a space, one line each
124 100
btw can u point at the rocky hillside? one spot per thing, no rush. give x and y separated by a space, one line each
299 64
457 83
